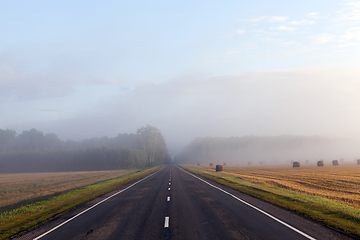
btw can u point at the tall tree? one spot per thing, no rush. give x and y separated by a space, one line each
153 143
7 139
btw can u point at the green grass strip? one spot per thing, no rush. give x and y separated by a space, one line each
27 217
337 215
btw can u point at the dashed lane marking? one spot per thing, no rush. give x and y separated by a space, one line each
63 223
166 224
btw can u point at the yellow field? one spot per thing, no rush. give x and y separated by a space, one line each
15 188
340 184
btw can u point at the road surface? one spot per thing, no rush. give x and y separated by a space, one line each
174 204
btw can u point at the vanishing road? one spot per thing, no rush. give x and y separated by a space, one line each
174 204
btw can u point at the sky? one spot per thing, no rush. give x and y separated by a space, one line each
85 69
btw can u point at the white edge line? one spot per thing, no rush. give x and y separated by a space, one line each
63 223
263 212
166 223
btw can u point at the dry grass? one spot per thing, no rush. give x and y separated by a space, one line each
340 184
16 188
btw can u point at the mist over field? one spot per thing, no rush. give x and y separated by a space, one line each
269 150
269 103
192 71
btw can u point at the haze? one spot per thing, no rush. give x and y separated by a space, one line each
191 68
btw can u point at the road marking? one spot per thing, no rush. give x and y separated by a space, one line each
168 198
63 223
169 189
169 183
252 206
166 224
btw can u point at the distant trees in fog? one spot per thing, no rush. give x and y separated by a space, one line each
33 151
258 148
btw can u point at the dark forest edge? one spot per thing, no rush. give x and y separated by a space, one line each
34 151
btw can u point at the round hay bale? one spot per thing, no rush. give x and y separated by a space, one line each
296 164
358 162
320 163
224 163
198 164
307 161
335 163
219 168
249 163
211 164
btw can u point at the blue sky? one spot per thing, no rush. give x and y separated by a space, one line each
191 68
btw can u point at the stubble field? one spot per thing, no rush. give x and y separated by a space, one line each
340 184
327 194
21 189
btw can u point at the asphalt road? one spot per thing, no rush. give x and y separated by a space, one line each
173 204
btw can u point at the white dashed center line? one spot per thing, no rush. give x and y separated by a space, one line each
169 183
166 224
168 198
169 189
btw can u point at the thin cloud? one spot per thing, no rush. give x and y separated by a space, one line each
302 22
351 34
352 13
236 32
283 28
277 19
24 86
316 15
240 31
323 38
266 19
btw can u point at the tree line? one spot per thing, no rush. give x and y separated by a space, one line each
34 151
264 149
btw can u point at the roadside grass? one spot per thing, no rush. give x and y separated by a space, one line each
26 217
334 214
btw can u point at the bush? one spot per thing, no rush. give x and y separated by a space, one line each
219 168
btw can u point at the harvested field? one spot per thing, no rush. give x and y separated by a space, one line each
340 184
329 196
21 188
